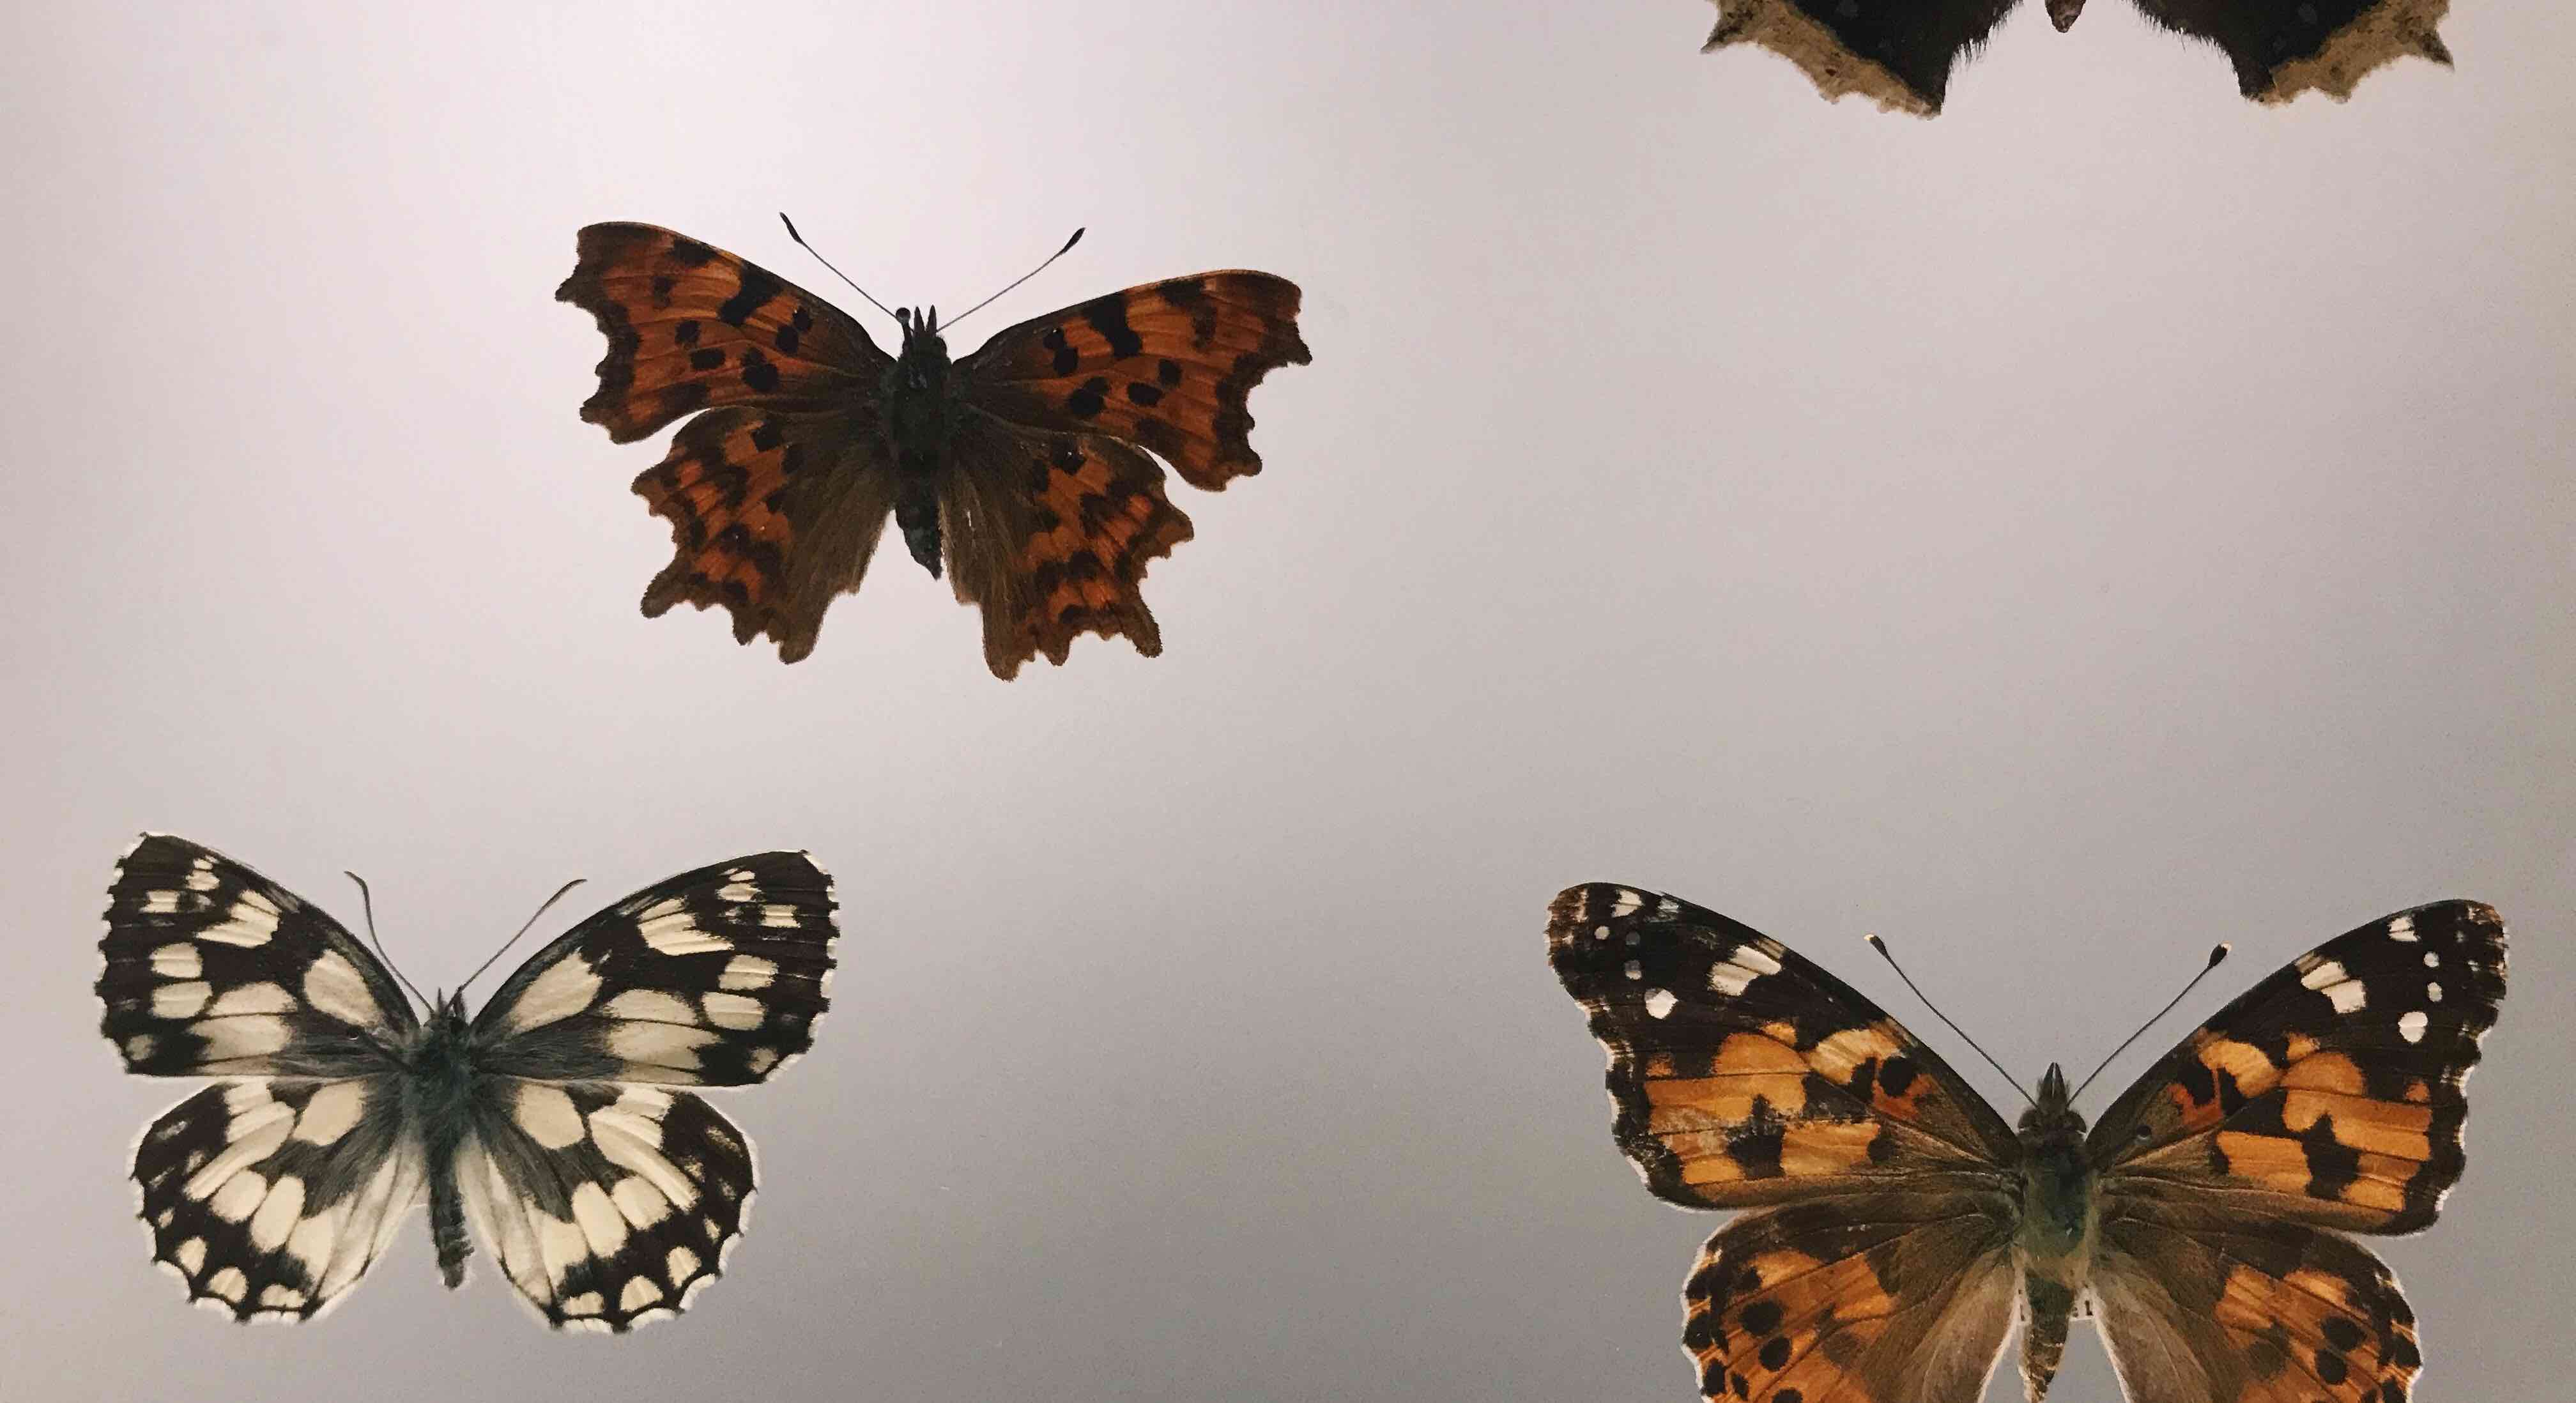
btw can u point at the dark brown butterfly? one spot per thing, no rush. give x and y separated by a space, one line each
1899 53
1899 1227
1027 469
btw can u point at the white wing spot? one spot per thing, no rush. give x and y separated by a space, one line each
262 997
2411 1026
2347 997
683 1264
678 935
286 1297
658 1044
334 986
587 1303
201 875
1625 902
2431 960
651 1006
640 1292
601 1224
1635 970
1756 959
547 1115
250 922
747 973
779 916
738 890
180 961
229 1038
239 1197
140 1047
739 1012
761 1060
331 1113
1601 932
566 988
2432 991
1659 1002
192 1255
639 1202
181 1001
2401 928
229 1284
2326 972
277 1214
161 903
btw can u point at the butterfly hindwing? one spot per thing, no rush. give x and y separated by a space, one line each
2330 1093
692 327
271 1198
2251 1311
213 970
1167 366
712 978
1879 1299
1901 55
1743 1074
1049 535
2282 48
607 1206
773 515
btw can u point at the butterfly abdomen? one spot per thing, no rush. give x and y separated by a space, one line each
920 420
439 1083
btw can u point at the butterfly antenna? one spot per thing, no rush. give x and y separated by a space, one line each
854 287
2216 954
1881 947
1015 282
367 901
523 930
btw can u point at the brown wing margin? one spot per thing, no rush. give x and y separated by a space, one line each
1168 366
691 327
1049 535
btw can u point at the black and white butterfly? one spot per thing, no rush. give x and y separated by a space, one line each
551 1120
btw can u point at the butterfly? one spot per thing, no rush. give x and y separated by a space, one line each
1026 470
553 1122
1899 53
1900 1227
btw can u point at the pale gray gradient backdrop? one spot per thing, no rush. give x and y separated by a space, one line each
2106 520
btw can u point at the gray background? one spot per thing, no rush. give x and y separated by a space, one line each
2108 519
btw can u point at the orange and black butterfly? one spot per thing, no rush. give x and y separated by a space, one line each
1900 1226
1026 470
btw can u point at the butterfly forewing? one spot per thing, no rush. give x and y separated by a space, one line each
713 978
1744 1074
2282 48
691 327
2332 1092
213 970
607 1206
1168 366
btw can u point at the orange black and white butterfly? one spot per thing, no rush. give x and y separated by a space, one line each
556 1122
1899 1227
1026 471
1899 53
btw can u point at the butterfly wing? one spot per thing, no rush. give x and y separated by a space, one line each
712 978
1743 1074
2328 1096
2251 1311
608 1197
1889 1298
607 1206
1049 535
2282 48
692 327
270 1195
1898 56
773 515
776 496
1167 366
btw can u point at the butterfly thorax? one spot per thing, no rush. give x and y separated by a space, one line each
438 1066
2059 1218
919 419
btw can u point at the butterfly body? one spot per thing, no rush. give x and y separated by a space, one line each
1029 473
1896 1229
551 1125
1900 53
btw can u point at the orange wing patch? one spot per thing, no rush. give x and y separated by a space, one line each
1169 366
2250 1311
760 525
1897 1298
1050 536
690 326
